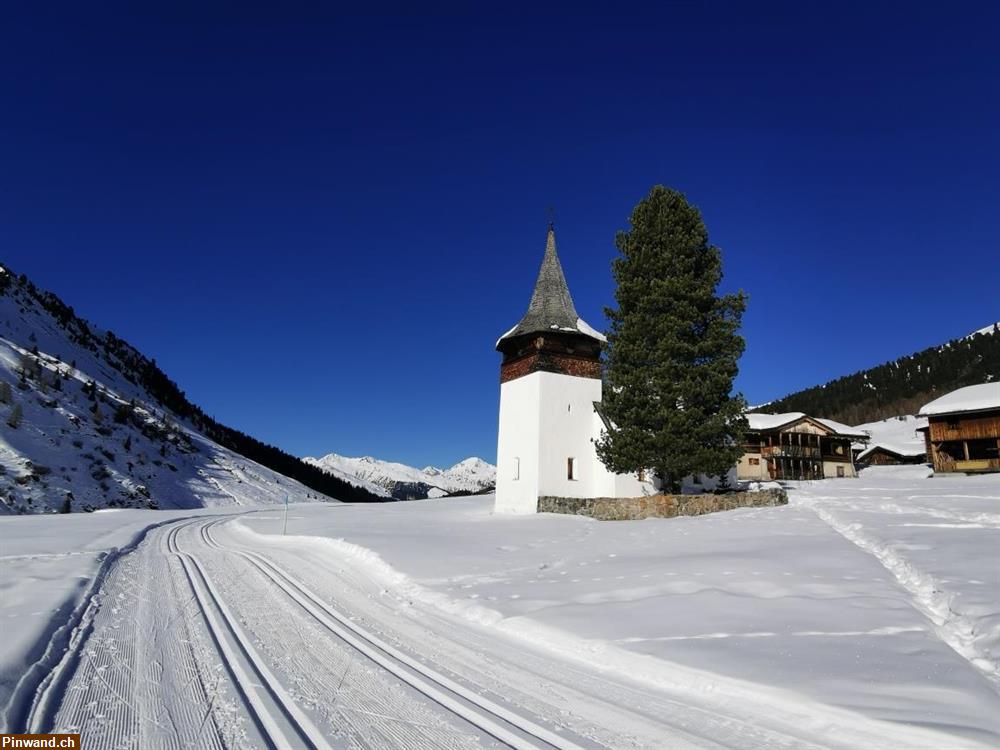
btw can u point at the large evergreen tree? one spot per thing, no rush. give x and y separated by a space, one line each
672 349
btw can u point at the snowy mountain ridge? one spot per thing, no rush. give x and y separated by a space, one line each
407 482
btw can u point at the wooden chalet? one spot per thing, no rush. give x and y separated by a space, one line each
797 446
885 454
963 429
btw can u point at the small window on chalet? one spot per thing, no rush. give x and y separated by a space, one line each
571 468
953 423
516 473
755 462
840 471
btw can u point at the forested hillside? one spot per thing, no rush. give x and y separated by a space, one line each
903 385
63 379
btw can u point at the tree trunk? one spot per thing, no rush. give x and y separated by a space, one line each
668 485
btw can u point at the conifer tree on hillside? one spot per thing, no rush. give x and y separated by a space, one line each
14 419
672 349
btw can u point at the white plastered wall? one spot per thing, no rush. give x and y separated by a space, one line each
517 446
545 419
747 471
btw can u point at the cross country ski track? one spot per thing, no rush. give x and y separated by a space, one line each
512 730
200 637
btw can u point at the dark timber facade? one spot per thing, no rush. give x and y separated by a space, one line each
965 441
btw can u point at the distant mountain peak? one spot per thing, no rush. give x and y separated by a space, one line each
404 482
471 462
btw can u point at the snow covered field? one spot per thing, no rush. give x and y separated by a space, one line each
866 614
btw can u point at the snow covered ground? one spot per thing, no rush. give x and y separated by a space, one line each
49 567
865 614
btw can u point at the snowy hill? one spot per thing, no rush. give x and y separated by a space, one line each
900 431
896 433
88 422
407 482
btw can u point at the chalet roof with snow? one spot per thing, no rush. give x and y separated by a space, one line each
759 422
842 429
972 398
551 307
902 451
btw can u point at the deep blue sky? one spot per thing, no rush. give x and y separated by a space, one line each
319 221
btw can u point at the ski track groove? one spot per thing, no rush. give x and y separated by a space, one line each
33 699
309 666
275 701
115 698
477 710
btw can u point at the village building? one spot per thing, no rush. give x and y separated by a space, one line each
550 386
796 446
963 429
887 454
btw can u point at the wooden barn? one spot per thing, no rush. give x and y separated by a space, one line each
963 430
797 446
883 454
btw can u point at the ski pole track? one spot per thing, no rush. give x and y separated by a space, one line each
509 728
281 722
924 592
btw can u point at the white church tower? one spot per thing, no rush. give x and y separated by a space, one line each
550 383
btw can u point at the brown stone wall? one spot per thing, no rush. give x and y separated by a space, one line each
659 506
550 362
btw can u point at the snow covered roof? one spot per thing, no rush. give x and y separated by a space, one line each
760 422
842 429
982 397
899 450
551 307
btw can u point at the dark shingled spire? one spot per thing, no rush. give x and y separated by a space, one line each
551 307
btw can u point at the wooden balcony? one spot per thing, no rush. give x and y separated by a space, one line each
790 451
